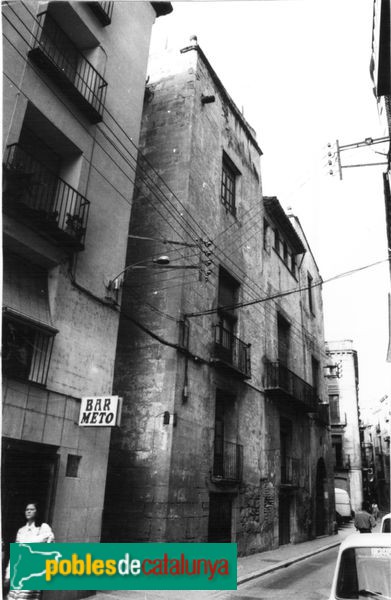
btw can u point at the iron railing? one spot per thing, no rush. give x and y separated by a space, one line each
35 194
103 10
338 421
58 56
230 350
290 470
281 379
228 461
343 463
26 351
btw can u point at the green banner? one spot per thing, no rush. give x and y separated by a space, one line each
123 566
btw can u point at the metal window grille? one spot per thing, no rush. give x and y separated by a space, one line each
26 351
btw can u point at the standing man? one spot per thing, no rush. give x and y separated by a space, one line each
363 520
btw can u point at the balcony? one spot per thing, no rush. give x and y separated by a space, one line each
103 10
231 353
41 199
283 383
27 350
290 471
227 463
343 463
61 60
338 421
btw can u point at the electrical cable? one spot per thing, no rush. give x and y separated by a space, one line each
288 292
229 258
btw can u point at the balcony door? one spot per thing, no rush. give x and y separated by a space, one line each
220 518
44 169
283 328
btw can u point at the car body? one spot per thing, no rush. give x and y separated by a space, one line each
363 568
343 507
385 526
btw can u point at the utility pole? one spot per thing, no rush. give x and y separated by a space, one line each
334 157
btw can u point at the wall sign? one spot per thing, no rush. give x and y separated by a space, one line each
100 411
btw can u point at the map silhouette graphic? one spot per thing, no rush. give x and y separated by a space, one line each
29 564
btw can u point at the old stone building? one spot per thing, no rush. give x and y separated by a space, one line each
74 77
375 431
224 427
345 419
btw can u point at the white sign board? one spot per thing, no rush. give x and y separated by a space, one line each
100 411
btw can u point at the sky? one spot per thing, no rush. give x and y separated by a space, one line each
299 71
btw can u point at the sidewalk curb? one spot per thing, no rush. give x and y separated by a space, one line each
285 563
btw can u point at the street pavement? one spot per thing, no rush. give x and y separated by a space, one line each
249 568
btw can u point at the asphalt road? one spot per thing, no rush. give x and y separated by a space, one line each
309 579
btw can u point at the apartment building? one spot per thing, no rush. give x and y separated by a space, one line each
224 425
74 78
345 418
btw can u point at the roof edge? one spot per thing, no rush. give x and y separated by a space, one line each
217 81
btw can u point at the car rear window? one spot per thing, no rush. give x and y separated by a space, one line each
365 573
386 525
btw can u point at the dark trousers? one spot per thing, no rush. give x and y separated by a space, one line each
362 530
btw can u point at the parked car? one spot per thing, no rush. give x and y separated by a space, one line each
386 524
363 568
343 508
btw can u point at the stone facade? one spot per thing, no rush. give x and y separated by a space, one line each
66 207
198 454
343 394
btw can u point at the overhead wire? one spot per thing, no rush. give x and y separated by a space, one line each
37 71
227 257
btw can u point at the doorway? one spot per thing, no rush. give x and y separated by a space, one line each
28 475
220 517
284 519
320 506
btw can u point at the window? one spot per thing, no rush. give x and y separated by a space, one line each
266 228
35 191
293 265
334 408
277 241
309 289
228 185
336 441
315 374
284 252
283 333
73 462
27 330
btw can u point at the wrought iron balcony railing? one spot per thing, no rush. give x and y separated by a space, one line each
279 379
290 472
338 420
61 60
227 462
230 351
103 10
32 193
26 351
343 463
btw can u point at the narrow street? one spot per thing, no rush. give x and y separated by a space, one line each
308 580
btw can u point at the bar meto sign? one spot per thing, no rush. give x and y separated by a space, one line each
100 411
